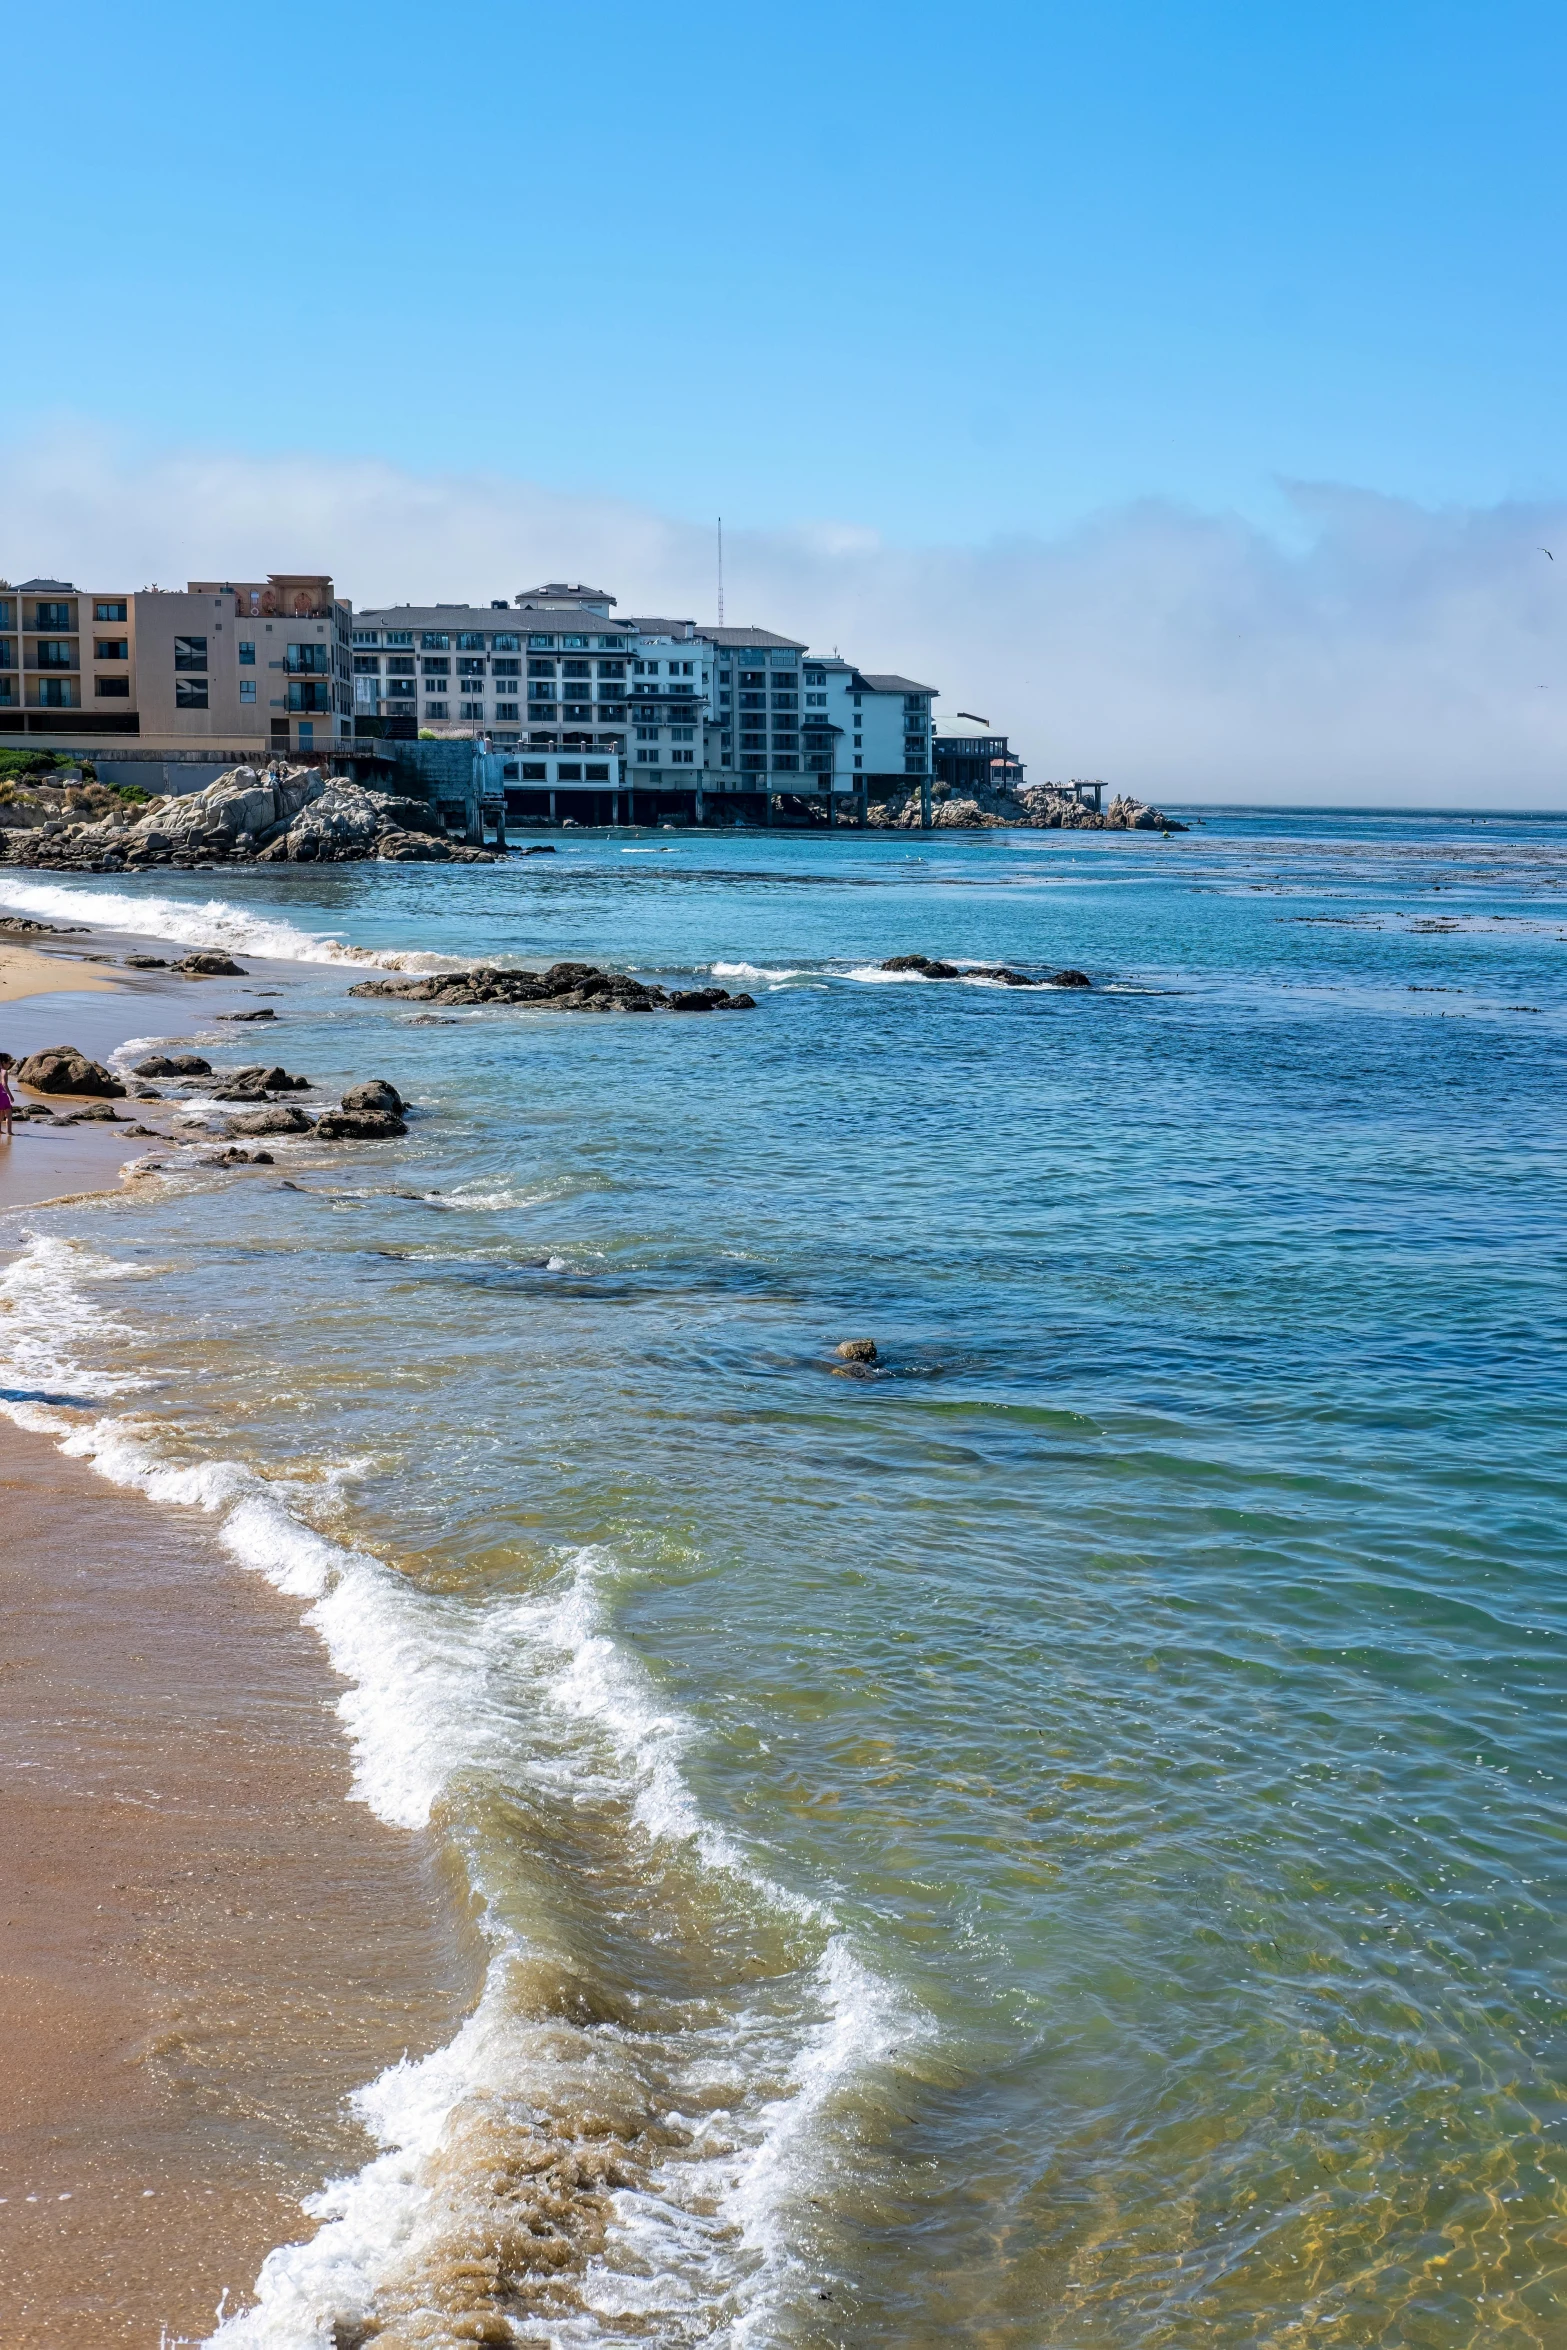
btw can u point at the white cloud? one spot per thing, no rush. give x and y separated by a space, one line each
1391 655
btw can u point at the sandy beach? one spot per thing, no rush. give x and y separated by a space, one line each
204 1946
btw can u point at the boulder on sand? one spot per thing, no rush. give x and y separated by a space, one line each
60 1068
172 1065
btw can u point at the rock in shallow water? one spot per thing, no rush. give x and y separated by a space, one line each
284 1119
358 1126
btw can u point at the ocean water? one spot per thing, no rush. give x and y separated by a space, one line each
1054 1840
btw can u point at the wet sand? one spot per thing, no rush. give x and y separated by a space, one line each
203 1946
24 971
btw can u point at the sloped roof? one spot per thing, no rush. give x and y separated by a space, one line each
897 685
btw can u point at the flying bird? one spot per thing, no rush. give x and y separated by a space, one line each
1547 552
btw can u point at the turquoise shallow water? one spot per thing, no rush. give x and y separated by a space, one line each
1056 1841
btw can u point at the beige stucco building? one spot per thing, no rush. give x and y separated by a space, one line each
242 667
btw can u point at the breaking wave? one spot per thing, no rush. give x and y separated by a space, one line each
216 924
585 2153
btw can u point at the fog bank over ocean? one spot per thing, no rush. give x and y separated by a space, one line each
1374 652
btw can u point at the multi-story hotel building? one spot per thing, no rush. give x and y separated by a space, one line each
253 666
558 687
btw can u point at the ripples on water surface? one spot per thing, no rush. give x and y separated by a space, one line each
1056 1841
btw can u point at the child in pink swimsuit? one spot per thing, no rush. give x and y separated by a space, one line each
7 1063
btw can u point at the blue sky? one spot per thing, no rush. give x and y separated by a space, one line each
1179 385
942 273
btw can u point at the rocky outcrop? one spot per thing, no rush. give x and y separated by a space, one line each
60 1068
282 814
564 987
927 968
172 1065
1037 808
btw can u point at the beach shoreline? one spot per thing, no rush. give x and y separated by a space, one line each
207 1946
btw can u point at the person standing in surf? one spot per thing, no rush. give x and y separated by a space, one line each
7 1064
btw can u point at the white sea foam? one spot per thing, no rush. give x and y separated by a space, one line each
218 924
753 971
440 1687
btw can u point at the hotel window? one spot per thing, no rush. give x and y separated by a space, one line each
506 710
112 648
540 644
399 636
247 654
647 758
468 642
435 709
401 666
56 693
647 734
366 665
367 636
190 693
859 762
247 689
575 644
472 710
508 668
682 758
190 652
109 612
682 734
534 771
470 668
52 616
816 701
434 642
506 644
437 669
116 689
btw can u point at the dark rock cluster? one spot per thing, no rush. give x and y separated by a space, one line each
370 1112
565 987
929 968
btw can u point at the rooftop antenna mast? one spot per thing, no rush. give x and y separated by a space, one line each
720 571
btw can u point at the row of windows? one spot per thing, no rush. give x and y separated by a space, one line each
469 640
566 771
51 616
578 668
